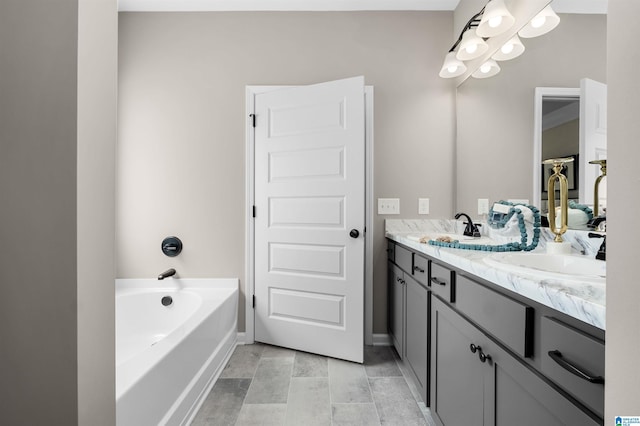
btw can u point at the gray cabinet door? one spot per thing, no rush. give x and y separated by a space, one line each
417 327
457 379
497 391
396 303
523 398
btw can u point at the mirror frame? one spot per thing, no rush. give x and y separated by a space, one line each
539 95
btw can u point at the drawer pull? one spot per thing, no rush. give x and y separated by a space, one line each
419 269
473 348
437 281
562 362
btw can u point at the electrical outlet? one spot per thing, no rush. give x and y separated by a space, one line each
423 206
483 206
388 206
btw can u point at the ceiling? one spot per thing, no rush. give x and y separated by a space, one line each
560 6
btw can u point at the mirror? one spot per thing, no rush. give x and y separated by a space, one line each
495 116
571 122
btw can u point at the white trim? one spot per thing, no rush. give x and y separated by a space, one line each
368 251
281 5
539 94
382 340
248 336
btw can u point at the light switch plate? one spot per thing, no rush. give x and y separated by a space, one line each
483 206
388 206
423 206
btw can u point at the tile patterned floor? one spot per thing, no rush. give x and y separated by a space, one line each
268 385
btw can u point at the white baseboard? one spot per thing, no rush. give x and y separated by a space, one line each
381 340
241 338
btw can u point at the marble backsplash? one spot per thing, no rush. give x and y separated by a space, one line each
580 241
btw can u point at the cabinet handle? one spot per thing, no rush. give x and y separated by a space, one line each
473 348
399 279
417 268
562 362
437 281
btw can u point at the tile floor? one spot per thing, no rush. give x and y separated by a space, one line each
268 385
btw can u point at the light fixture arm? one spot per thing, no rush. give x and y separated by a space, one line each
473 22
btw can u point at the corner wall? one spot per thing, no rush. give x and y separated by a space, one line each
97 103
38 305
622 390
181 159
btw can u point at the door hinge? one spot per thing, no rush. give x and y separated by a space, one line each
253 301
253 120
254 211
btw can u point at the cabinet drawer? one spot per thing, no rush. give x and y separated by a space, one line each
404 259
442 282
575 361
391 251
421 269
509 321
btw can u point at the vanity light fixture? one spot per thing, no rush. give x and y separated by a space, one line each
471 46
511 49
486 70
496 19
452 67
541 24
493 20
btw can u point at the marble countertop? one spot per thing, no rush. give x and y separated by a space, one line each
581 300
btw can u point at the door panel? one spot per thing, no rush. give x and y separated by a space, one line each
310 189
593 137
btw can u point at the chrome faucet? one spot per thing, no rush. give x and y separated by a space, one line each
166 274
471 229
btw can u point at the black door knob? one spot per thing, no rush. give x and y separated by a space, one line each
354 233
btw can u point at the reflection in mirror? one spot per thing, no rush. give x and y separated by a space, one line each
571 122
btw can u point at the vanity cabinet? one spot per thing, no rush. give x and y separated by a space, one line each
417 334
482 355
408 317
396 299
477 382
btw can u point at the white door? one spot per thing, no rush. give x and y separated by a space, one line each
593 137
310 216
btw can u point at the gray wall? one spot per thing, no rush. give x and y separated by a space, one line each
96 140
38 318
495 115
622 393
56 215
181 153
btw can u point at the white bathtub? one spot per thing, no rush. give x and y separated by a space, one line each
168 357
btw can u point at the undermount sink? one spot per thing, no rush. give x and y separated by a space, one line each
570 267
463 239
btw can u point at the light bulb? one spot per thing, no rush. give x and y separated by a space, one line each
538 21
452 68
495 21
485 68
472 48
507 48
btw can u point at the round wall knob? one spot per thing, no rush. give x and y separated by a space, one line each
354 233
171 246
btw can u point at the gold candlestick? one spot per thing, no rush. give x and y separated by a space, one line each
557 176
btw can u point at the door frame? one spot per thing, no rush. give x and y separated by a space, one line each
249 281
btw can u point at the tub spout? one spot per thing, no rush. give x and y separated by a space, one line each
168 273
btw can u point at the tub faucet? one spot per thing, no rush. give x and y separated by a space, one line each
471 229
166 274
